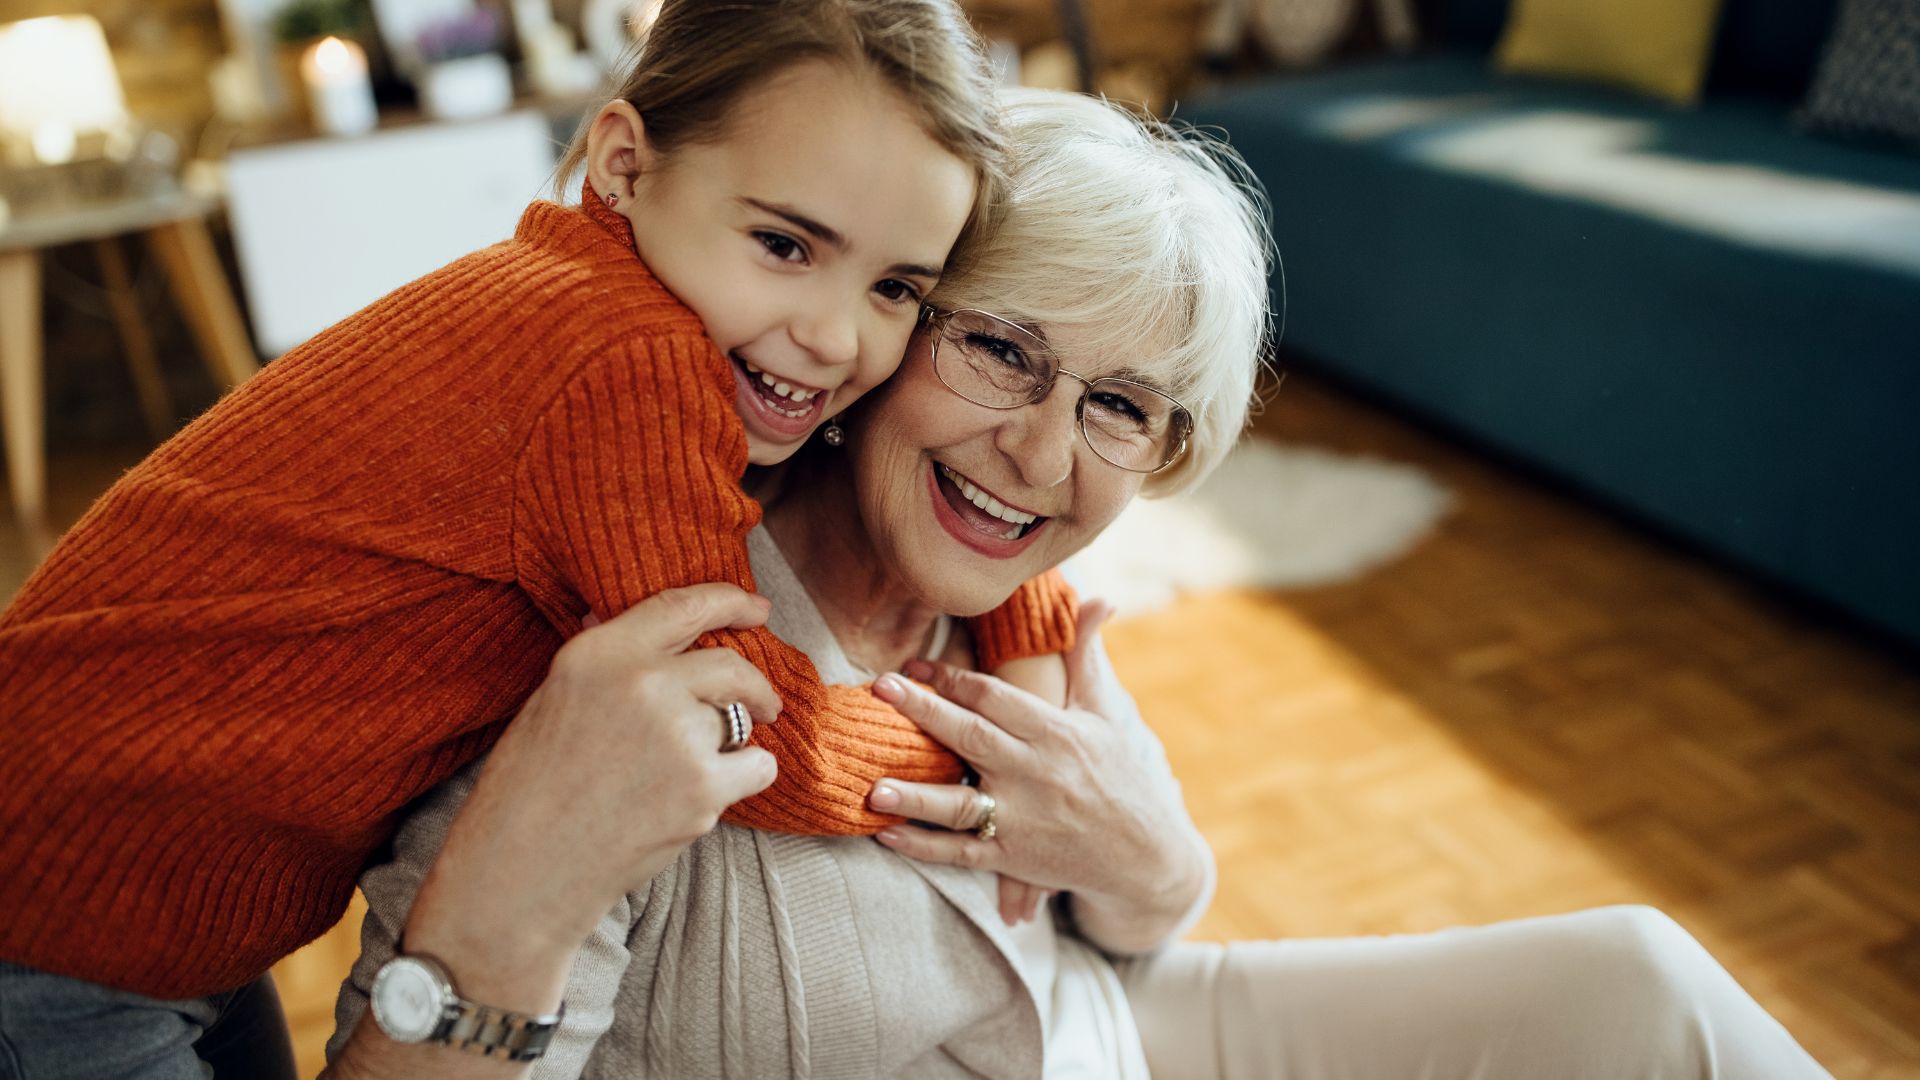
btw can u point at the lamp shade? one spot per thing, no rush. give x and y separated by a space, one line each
57 81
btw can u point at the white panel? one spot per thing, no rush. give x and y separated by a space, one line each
325 227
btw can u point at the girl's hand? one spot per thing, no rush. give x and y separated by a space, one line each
1079 810
611 768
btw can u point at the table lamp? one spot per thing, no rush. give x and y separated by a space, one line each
57 86
65 133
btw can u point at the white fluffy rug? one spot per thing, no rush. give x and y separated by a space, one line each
1270 517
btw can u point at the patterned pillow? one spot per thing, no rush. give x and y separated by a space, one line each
1868 81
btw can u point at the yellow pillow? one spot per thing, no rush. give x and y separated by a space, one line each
1658 47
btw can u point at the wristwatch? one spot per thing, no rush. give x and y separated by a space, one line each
414 1002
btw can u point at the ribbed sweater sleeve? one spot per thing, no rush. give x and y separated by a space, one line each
1039 618
629 485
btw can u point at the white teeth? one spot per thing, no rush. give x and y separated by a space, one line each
1019 518
799 394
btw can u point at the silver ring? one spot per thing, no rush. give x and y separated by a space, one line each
984 809
736 726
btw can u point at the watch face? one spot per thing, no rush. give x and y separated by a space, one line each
407 1000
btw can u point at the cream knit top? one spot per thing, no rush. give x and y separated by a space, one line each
760 954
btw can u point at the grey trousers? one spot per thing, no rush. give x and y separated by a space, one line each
1610 993
56 1028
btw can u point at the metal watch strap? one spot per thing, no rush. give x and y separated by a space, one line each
497 1033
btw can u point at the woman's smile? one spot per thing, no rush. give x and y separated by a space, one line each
978 519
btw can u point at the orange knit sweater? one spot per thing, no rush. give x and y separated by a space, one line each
338 586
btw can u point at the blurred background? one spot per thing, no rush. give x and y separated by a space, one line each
1571 560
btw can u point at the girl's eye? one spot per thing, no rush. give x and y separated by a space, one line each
781 246
898 292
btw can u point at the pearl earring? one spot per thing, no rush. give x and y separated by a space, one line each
833 434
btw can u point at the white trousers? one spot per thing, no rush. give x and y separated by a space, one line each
1618 992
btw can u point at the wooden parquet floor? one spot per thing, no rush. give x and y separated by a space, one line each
1538 710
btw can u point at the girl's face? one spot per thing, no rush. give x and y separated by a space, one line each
804 238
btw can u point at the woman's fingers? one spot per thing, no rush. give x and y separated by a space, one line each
1019 901
980 743
950 806
719 676
1083 659
1012 709
938 846
670 621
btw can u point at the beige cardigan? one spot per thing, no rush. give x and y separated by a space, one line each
761 954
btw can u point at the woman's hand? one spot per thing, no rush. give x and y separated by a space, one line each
1080 808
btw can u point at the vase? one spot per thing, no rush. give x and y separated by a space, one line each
466 88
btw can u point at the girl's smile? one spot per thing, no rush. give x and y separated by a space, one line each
782 410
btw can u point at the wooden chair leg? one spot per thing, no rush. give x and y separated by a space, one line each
21 393
200 285
142 362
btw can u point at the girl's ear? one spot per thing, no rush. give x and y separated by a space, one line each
618 153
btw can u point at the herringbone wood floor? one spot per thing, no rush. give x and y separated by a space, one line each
1538 710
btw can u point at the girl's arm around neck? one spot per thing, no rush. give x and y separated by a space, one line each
630 485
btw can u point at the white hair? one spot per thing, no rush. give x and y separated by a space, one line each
1150 240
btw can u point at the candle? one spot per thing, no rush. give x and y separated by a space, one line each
338 89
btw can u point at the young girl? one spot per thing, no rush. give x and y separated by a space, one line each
334 589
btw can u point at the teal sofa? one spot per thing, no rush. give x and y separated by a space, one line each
1702 316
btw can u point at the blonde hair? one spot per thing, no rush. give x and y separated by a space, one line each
1136 232
701 56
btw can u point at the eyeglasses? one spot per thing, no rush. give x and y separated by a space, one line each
991 362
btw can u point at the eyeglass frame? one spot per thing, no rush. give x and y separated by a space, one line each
929 314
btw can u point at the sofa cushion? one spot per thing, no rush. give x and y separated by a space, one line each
1657 47
1868 82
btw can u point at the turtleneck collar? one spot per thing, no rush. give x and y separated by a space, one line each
605 216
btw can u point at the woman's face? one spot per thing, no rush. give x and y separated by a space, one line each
921 451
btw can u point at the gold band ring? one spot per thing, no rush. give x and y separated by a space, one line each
984 809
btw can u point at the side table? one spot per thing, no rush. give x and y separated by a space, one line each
175 227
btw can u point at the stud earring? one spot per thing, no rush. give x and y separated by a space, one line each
613 200
833 434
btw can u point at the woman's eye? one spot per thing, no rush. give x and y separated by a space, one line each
1120 406
998 349
781 247
898 292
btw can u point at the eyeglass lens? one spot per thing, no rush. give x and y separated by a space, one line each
992 362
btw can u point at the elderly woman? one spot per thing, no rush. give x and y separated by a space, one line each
1101 342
